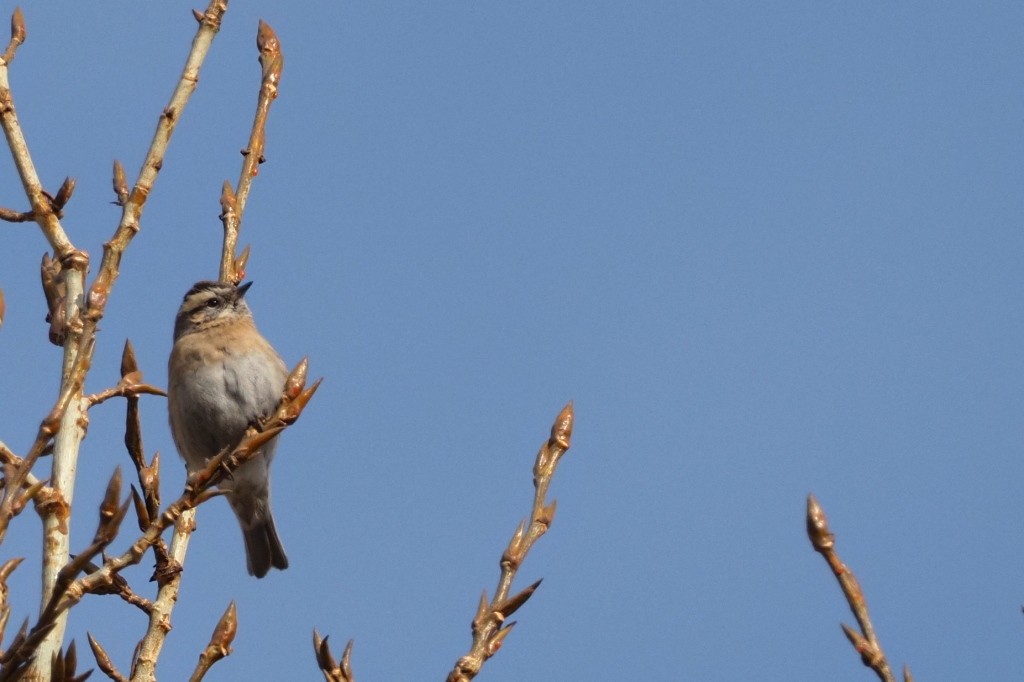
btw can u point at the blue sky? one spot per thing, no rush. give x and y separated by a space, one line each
766 249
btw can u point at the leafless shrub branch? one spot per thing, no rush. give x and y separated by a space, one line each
233 199
489 625
864 641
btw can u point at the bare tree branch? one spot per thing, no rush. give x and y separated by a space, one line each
489 626
233 200
865 642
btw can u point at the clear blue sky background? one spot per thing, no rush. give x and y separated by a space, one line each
767 249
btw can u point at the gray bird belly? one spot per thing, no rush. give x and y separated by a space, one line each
223 400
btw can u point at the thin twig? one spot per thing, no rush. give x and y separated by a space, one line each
42 205
151 165
489 626
123 391
9 215
865 642
233 200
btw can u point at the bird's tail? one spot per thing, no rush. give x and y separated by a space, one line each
263 548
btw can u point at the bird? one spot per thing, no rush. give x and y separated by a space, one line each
223 377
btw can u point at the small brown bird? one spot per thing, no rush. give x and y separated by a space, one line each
224 376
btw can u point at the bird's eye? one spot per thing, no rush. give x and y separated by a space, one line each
213 303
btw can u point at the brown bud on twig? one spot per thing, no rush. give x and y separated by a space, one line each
266 39
546 516
482 610
128 362
561 430
220 642
227 199
495 642
332 670
8 568
296 380
141 513
18 35
3 307
151 478
67 189
299 404
63 668
513 554
241 262
271 58
103 661
120 182
512 604
227 626
869 654
817 526
55 292
111 499
258 440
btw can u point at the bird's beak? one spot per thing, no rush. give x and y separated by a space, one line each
242 288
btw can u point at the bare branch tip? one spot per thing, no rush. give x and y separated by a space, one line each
227 194
141 512
241 261
346 659
817 526
512 604
227 627
482 608
498 639
113 494
266 38
18 32
103 660
120 184
324 658
296 380
8 568
561 430
128 362
67 189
